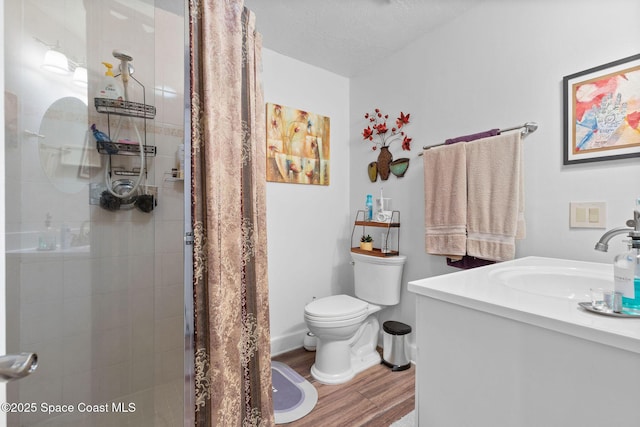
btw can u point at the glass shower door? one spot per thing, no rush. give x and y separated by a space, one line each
97 294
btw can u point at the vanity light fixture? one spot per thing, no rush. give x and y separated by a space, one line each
80 76
55 61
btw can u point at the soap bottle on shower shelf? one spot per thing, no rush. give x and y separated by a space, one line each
109 87
368 213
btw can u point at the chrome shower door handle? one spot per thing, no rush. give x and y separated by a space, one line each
16 366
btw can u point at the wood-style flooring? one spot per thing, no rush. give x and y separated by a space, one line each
374 398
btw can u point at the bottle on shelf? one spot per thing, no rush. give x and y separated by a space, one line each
368 212
109 88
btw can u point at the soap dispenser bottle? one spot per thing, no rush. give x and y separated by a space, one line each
109 87
631 291
626 272
623 273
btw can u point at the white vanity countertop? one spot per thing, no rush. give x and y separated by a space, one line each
478 289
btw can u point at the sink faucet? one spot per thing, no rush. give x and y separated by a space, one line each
632 228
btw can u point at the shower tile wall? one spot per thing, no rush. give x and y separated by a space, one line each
106 321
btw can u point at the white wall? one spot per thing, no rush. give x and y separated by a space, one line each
308 225
499 65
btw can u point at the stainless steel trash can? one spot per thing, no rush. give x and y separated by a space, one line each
393 343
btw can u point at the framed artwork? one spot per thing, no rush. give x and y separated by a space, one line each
602 112
298 146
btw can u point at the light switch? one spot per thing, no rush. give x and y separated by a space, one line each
588 214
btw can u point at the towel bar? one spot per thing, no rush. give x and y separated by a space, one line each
527 128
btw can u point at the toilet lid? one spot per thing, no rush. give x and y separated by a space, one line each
336 307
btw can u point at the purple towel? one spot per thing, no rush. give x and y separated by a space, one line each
467 261
473 136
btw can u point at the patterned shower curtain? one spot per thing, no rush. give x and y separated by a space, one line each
231 304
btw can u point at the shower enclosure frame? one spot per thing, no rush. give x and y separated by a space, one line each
188 361
189 351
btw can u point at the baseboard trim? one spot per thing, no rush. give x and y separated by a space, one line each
285 343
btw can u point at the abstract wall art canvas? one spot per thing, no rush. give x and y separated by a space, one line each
298 146
602 112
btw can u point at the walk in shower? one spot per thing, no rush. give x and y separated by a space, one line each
97 293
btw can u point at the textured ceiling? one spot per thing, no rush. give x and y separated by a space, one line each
347 36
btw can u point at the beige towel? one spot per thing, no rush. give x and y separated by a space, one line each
495 211
445 195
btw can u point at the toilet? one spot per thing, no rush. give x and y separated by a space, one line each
346 328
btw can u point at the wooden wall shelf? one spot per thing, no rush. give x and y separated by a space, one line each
392 249
374 252
377 224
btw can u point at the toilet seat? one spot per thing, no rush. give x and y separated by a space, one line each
336 308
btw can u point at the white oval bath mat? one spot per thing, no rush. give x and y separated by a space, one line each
293 396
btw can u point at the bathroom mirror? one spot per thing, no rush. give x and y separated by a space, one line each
67 155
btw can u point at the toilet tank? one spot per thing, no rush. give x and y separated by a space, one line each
378 280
